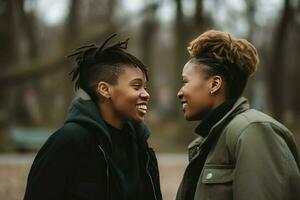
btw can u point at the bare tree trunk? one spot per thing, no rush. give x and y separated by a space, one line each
28 22
72 34
110 15
147 38
72 25
251 9
7 36
183 136
180 42
275 71
198 17
295 86
7 54
25 112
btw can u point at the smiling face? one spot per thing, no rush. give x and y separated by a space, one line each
195 94
129 98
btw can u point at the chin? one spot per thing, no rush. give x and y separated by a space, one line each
138 118
190 117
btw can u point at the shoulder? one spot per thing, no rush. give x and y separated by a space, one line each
71 135
253 123
251 118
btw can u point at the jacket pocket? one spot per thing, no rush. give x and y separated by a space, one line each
217 175
216 182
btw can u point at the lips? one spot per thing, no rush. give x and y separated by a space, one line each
184 105
142 108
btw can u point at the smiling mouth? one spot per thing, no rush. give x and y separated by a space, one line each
142 108
184 105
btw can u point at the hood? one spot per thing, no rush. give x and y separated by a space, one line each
86 113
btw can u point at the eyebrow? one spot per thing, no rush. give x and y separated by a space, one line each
137 79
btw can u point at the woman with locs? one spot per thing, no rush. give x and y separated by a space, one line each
101 152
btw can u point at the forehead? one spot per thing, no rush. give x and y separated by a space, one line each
130 72
192 68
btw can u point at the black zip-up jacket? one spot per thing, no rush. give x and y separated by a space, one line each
75 163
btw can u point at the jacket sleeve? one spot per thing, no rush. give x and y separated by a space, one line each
51 169
265 165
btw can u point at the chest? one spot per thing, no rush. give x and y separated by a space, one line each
217 172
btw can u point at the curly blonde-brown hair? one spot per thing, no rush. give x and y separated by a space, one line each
223 47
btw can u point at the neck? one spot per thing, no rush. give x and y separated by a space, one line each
217 101
110 116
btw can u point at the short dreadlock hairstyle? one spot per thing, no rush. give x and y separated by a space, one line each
103 63
222 54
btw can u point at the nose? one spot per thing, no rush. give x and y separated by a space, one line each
180 94
145 95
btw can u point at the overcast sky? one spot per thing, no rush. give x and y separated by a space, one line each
53 12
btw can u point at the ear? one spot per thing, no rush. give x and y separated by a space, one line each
103 89
216 83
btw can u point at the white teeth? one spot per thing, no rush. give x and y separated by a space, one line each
143 111
143 107
184 105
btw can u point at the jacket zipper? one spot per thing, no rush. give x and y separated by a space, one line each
147 166
107 170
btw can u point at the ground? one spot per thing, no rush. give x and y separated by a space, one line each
14 170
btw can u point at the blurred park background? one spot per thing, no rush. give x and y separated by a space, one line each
36 36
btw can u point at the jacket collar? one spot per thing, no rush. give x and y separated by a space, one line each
239 106
213 117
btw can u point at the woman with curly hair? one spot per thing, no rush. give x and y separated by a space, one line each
101 152
240 153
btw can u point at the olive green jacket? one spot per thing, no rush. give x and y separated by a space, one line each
250 156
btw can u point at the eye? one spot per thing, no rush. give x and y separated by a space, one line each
184 81
136 87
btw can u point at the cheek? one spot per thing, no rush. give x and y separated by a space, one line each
125 99
202 97
199 101
198 93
